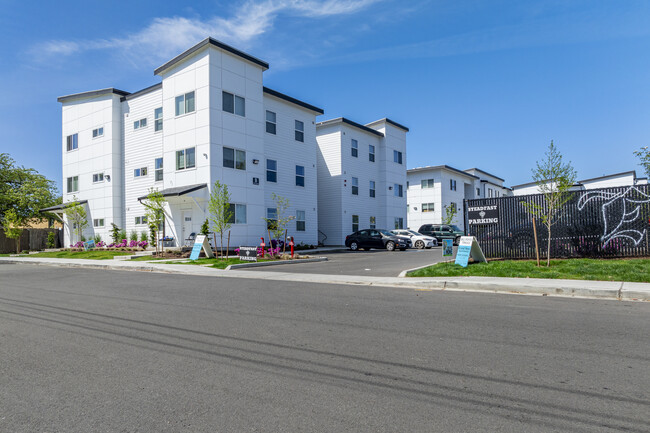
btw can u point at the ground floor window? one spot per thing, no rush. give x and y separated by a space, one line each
237 213
300 220
399 223
373 222
355 223
140 220
98 222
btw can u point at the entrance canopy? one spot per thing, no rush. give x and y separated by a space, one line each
178 191
59 208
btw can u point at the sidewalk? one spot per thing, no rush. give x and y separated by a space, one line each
569 288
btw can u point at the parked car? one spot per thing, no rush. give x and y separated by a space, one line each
418 240
375 238
442 231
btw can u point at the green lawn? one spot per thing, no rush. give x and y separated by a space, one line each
216 263
92 254
637 270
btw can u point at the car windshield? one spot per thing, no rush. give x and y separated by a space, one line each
456 228
413 233
386 233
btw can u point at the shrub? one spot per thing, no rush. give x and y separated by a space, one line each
83 238
51 240
121 235
133 236
97 239
144 236
115 233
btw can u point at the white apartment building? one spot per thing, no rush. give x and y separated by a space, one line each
361 177
627 178
210 118
430 189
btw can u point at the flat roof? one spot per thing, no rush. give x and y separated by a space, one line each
61 206
632 172
440 167
179 190
351 123
210 41
292 100
91 93
391 122
485 172
141 92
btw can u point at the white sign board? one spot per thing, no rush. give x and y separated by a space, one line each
469 247
201 242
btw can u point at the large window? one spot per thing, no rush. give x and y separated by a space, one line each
271 218
234 158
372 188
427 207
452 184
270 122
73 184
72 142
140 172
300 175
371 153
98 132
397 156
355 223
158 119
233 104
427 183
300 131
398 190
158 169
300 220
373 222
185 103
237 213
271 170
355 148
186 158
142 123
355 186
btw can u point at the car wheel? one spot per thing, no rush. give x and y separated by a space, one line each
390 246
419 245
354 246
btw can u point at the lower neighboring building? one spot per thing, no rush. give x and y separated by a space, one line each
627 178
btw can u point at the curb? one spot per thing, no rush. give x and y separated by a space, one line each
276 263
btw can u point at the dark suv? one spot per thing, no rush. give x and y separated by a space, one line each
373 238
442 231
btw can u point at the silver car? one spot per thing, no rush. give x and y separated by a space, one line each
418 240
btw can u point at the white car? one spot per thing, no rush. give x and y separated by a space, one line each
418 240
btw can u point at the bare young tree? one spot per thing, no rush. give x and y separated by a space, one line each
278 225
155 204
77 216
554 179
221 214
450 213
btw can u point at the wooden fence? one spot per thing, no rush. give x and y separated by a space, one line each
30 239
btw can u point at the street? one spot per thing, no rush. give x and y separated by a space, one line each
104 351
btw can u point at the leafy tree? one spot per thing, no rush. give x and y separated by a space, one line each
221 215
155 204
450 213
77 216
644 156
554 179
279 225
13 227
51 239
205 227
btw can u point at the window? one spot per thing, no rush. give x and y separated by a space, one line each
73 184
453 206
355 186
372 188
233 158
355 223
300 175
427 207
98 222
373 222
478 192
185 103
140 172
270 122
452 184
397 157
158 164
371 153
72 142
399 223
398 190
271 170
98 132
407 185
140 123
355 148
140 220
233 104
271 218
427 183
300 131
98 177
300 220
489 192
237 213
157 123
186 158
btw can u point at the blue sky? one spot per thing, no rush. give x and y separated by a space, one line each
484 83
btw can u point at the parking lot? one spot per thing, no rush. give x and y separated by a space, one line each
375 263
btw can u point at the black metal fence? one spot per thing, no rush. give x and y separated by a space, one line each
607 222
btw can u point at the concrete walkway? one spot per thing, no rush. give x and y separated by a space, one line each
547 287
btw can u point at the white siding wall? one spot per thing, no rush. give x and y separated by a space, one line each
330 185
418 195
623 180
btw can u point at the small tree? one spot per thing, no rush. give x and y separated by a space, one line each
644 156
115 233
76 214
205 227
13 227
450 213
51 239
220 213
554 179
279 225
155 204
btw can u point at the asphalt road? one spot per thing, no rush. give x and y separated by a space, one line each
374 263
107 351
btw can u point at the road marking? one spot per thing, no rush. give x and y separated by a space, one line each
423 290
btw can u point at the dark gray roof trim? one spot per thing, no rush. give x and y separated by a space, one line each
292 100
445 167
141 92
216 43
179 190
61 206
485 172
91 93
391 122
351 123
610 175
